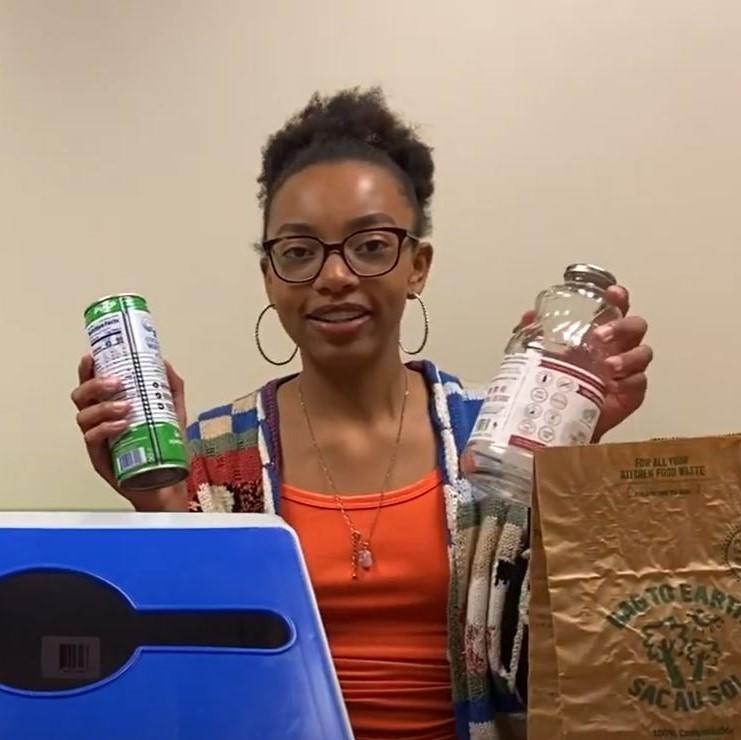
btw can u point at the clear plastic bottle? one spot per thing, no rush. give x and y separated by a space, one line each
549 389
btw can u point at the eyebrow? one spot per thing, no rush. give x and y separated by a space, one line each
294 228
361 222
369 220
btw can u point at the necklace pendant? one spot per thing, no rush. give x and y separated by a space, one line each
365 559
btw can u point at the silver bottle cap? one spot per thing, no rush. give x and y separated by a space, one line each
581 272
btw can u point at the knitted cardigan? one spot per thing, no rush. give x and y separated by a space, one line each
236 465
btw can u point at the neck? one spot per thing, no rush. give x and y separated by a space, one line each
370 393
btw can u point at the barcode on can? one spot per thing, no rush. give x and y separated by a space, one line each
70 657
131 459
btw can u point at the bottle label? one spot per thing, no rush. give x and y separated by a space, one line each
537 401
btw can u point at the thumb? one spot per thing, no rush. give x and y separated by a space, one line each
527 318
177 386
86 369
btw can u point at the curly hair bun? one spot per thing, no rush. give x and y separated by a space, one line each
351 124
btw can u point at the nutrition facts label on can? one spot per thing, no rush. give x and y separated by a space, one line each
126 346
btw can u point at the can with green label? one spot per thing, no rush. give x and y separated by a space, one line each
124 344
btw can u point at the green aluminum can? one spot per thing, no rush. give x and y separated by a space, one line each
123 340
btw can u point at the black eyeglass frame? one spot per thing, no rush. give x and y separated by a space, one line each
401 234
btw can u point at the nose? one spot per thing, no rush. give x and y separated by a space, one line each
335 276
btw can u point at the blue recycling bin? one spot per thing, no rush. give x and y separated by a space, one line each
161 627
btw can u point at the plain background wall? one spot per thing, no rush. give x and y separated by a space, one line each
130 135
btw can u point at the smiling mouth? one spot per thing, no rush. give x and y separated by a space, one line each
338 317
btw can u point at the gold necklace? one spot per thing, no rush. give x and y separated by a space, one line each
361 554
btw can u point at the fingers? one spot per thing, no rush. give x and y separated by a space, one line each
94 391
634 386
86 369
624 333
103 432
91 389
177 384
102 421
101 413
527 318
632 362
100 417
619 296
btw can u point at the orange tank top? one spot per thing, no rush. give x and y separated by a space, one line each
387 630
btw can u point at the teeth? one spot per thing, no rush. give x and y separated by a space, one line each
339 316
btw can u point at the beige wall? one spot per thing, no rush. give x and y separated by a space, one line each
574 129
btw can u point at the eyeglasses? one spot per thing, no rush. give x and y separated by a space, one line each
367 253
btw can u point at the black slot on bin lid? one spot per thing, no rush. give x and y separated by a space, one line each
62 630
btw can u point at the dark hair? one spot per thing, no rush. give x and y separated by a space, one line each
352 124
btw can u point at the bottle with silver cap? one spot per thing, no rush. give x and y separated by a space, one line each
550 387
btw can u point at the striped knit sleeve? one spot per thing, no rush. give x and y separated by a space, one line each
197 476
208 486
225 468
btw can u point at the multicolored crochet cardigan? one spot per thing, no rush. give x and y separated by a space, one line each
236 464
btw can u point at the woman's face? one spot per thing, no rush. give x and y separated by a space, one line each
340 318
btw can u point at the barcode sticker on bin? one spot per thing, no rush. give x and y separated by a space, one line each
70 657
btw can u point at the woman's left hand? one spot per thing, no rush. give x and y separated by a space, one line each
626 390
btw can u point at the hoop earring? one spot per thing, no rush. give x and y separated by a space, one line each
259 344
426 334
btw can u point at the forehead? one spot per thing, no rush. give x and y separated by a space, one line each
329 196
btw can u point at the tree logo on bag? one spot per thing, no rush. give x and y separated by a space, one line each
686 649
683 628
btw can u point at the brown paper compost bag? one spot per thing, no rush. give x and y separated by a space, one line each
544 704
636 555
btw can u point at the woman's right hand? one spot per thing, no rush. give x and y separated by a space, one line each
101 418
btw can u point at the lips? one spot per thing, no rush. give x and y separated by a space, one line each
338 314
339 323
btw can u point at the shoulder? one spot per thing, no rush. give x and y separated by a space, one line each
454 399
240 418
452 387
470 394
225 460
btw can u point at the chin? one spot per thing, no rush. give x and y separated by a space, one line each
348 356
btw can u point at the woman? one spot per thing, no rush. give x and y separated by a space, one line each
359 452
